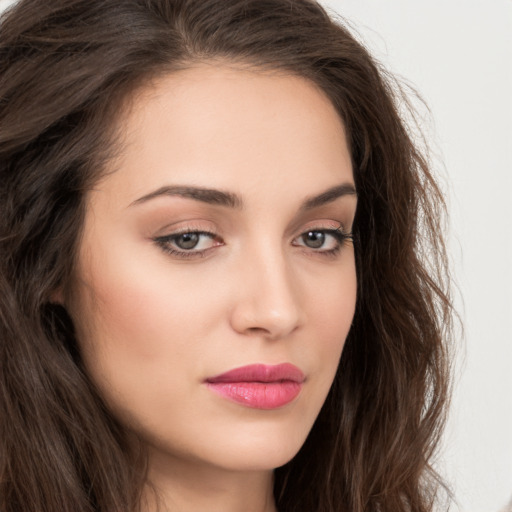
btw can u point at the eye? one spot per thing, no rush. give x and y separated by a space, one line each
325 241
187 244
314 239
187 241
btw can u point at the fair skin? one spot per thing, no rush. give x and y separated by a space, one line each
266 275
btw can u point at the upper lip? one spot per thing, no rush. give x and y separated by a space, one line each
260 373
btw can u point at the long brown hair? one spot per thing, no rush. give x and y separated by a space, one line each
67 67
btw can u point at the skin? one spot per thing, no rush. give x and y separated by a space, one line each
153 325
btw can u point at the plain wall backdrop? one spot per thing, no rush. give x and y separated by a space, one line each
458 55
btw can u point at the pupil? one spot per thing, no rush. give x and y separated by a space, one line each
187 240
314 239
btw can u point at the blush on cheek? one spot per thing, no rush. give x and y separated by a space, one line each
335 306
334 311
134 315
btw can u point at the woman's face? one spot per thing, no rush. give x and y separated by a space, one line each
220 242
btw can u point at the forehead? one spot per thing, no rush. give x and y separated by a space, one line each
225 126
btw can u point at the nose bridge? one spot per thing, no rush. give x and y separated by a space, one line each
268 302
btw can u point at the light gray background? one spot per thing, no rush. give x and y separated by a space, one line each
458 55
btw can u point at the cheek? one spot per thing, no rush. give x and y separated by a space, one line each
336 310
137 332
332 305
330 313
136 304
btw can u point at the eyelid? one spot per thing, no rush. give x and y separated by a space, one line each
326 224
180 227
338 233
320 225
329 227
165 237
165 243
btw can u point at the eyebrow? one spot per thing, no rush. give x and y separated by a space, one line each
330 195
205 195
231 200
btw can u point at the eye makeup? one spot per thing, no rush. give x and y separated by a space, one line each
316 239
192 243
189 240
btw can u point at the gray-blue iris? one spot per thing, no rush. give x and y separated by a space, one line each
314 239
187 240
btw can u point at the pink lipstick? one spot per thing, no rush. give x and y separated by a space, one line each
259 386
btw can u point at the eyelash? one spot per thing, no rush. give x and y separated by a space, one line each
164 242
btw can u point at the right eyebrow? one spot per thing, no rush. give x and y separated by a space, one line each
205 195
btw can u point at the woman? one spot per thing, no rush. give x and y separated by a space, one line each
214 287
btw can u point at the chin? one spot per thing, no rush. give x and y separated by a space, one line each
260 451
255 461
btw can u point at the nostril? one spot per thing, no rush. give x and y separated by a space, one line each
258 331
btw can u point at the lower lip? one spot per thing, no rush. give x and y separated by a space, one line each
258 395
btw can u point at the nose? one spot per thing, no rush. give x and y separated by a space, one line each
268 298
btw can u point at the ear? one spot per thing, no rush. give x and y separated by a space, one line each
57 296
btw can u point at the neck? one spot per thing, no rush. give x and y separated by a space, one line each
195 487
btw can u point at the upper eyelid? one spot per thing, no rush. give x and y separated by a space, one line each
340 231
176 234
178 228
186 231
168 238
320 225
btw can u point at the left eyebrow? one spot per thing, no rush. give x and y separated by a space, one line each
330 195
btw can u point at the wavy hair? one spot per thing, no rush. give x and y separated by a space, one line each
67 68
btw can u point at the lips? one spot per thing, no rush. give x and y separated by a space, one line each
259 386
